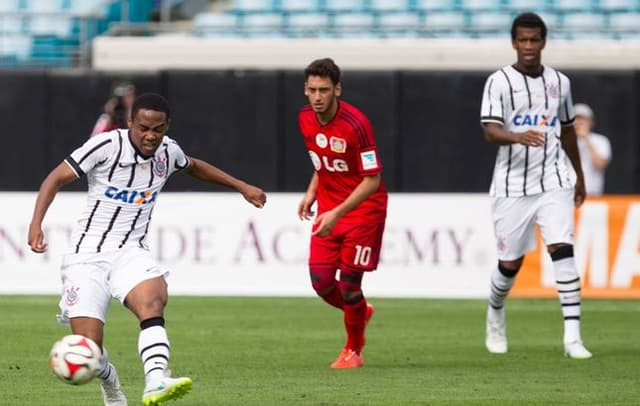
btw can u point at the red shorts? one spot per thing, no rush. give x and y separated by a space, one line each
348 247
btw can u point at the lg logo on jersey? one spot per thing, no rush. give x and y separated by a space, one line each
336 165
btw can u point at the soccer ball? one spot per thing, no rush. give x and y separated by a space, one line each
75 359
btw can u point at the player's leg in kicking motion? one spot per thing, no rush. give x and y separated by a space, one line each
502 279
147 301
568 285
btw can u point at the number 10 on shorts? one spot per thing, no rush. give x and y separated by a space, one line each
363 255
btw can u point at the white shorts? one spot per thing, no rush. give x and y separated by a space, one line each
89 281
514 219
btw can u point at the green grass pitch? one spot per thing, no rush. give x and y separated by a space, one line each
274 351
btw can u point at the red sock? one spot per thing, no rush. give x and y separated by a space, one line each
334 298
354 314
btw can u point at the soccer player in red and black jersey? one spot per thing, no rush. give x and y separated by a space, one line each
352 202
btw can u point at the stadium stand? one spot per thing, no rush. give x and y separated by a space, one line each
611 19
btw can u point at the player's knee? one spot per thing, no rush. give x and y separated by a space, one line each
351 286
559 252
509 268
323 280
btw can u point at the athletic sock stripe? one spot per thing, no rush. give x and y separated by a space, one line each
496 307
154 345
572 317
156 356
568 290
568 282
493 286
108 371
154 369
570 304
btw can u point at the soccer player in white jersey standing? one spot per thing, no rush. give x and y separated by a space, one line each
109 257
527 110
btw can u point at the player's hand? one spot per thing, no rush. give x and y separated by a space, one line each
532 138
36 239
324 223
579 192
304 208
255 196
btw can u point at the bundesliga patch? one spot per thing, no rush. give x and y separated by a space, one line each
321 140
338 145
160 166
369 160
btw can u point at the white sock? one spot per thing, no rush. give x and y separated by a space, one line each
108 373
154 349
568 285
499 289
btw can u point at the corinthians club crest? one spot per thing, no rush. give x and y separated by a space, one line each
160 166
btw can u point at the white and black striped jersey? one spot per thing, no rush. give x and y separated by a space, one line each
123 188
519 103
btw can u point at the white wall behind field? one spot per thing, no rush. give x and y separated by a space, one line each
187 52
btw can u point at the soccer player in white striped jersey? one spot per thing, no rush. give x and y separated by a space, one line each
109 257
527 110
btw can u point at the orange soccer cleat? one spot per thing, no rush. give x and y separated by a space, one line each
348 359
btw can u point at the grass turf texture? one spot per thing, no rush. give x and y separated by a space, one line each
271 351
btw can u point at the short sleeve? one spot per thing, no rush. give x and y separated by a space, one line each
178 160
492 110
95 151
565 110
368 159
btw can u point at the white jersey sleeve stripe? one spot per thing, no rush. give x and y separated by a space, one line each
74 166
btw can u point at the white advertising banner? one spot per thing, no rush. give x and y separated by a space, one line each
435 245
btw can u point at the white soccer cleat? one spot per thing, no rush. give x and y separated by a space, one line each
112 394
496 340
166 389
576 350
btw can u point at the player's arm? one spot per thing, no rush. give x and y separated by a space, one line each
304 208
496 134
59 177
327 220
202 170
570 146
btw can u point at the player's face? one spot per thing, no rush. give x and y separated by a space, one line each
322 93
147 129
528 44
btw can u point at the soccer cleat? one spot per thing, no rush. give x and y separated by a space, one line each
166 389
348 359
576 350
112 394
496 340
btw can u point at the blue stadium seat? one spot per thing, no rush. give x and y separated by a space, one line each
399 24
350 23
390 5
19 46
520 6
262 23
9 5
97 7
50 25
11 24
493 21
573 5
435 5
480 5
444 21
215 23
585 22
44 6
299 5
337 6
625 22
308 24
619 5
250 6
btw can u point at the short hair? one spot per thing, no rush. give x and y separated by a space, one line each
150 101
528 20
325 68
